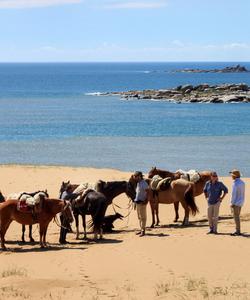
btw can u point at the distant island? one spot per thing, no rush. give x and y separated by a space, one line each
233 69
203 93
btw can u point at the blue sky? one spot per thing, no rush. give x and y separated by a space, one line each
124 30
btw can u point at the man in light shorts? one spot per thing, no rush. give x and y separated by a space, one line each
141 201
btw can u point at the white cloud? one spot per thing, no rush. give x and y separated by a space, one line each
34 3
135 4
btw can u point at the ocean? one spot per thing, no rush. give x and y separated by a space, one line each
52 114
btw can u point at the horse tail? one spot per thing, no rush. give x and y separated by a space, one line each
98 216
189 198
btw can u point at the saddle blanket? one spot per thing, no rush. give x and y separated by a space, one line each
84 186
191 175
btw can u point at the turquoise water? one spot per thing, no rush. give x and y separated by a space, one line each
48 117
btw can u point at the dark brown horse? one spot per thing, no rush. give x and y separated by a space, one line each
109 189
198 187
9 212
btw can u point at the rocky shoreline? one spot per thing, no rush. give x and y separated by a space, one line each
203 93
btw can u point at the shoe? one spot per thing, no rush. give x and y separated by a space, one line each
215 232
142 233
236 233
210 232
138 232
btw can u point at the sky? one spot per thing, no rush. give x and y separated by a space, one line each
124 30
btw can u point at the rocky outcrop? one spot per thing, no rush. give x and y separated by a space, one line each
226 93
233 69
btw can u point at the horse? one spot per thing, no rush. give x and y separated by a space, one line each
179 190
18 196
94 204
109 189
204 176
50 207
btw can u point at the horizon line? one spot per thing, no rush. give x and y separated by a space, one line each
132 61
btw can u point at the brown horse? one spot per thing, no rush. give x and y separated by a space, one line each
9 212
180 190
17 196
198 187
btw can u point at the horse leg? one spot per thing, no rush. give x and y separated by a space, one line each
41 235
77 225
176 208
3 229
101 233
44 236
157 214
30 234
84 226
186 216
152 205
23 232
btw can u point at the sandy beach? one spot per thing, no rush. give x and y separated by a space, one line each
169 262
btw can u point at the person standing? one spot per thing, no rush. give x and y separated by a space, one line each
141 201
65 225
237 198
214 191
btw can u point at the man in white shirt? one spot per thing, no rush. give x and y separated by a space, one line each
237 199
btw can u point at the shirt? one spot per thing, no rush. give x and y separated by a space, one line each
68 196
238 192
141 194
214 191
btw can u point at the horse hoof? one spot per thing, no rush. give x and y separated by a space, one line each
31 240
152 226
175 220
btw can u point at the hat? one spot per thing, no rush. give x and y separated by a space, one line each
214 174
235 172
138 173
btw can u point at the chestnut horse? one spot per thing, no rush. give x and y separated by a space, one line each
17 196
49 209
110 190
197 189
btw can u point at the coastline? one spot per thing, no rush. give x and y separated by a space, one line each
184 260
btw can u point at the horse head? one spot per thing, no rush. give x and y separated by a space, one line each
152 172
63 188
2 199
131 187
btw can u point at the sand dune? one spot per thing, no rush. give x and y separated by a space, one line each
170 262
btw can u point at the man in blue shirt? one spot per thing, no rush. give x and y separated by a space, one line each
214 191
237 198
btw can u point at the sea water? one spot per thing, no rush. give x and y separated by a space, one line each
53 114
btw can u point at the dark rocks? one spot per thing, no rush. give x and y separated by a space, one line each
233 69
203 93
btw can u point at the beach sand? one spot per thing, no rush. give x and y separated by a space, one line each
170 262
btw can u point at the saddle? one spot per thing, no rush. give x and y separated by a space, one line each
29 204
160 184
